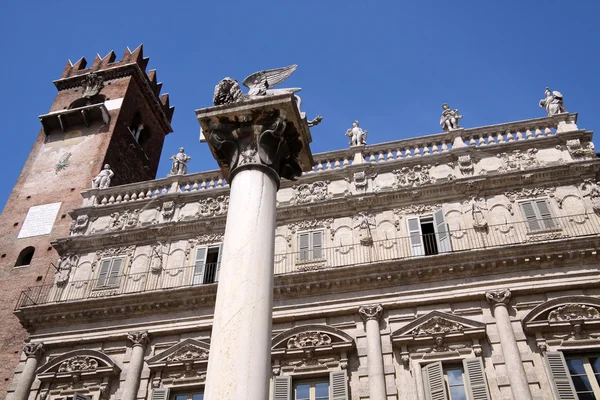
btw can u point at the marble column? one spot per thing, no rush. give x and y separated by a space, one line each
255 145
33 352
371 315
138 341
499 299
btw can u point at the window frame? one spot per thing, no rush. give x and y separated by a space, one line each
545 224
312 388
200 278
189 393
443 242
107 278
472 387
589 371
310 251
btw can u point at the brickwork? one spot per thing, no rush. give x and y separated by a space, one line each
89 147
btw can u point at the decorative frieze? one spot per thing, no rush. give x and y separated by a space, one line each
186 353
437 325
529 193
518 160
310 224
78 364
577 151
308 339
125 220
414 176
571 312
311 192
212 207
114 252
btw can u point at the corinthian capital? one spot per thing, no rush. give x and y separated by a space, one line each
498 297
34 349
372 311
139 338
265 132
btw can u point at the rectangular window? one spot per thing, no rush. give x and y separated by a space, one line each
537 215
452 381
334 388
207 264
109 274
310 246
585 375
428 234
318 390
189 396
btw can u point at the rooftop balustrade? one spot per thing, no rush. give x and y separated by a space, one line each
368 252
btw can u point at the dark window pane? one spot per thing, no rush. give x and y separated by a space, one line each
576 366
458 393
581 383
454 376
586 396
595 362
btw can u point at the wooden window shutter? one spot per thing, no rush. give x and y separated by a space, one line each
475 378
219 262
545 214
303 245
560 377
115 271
103 273
282 388
533 224
433 381
415 236
199 263
338 385
160 394
441 231
317 245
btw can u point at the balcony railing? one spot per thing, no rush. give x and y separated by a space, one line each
368 252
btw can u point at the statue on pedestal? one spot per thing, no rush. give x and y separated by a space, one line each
450 118
553 102
102 180
357 135
180 160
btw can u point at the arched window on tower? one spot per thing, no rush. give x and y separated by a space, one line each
85 101
138 130
25 256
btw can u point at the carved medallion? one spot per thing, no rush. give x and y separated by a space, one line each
311 192
212 207
571 312
308 339
417 175
78 363
518 160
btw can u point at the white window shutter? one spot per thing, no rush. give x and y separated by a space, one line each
282 388
303 245
338 385
317 245
475 379
115 271
219 262
160 394
415 236
545 214
560 377
441 231
433 381
533 224
103 273
199 263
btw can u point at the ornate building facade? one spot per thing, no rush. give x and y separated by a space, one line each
460 265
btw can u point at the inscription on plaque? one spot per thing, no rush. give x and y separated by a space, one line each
39 220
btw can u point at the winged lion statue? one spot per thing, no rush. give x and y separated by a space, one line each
260 83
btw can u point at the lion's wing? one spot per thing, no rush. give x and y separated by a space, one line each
273 76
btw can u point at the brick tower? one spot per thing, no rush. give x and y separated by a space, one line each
111 113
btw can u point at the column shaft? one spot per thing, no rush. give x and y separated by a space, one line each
134 372
240 348
512 356
26 379
377 389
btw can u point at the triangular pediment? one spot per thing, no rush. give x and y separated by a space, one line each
439 323
311 336
184 352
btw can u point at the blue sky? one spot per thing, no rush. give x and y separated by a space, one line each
388 64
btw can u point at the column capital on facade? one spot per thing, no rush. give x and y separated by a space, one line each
34 350
498 297
266 132
138 338
371 311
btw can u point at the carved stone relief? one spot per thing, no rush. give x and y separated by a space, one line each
591 189
466 164
78 363
477 207
167 210
114 252
212 207
311 192
92 84
571 312
188 353
528 193
437 325
79 225
66 263
308 339
156 258
417 175
361 180
127 219
413 209
518 160
310 224
364 222
576 150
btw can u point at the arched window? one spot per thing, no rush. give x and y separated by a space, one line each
25 256
138 130
85 101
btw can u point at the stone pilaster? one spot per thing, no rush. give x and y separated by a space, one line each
371 314
33 352
138 341
499 300
255 143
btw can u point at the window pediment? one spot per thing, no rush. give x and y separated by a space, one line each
184 363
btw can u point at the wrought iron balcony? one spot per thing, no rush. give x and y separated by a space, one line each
369 252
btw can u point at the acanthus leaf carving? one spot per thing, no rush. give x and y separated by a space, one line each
417 175
311 192
212 207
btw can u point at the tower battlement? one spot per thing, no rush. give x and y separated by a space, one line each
107 67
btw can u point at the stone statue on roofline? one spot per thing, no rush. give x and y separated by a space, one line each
553 102
180 160
102 180
450 118
357 136
260 84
